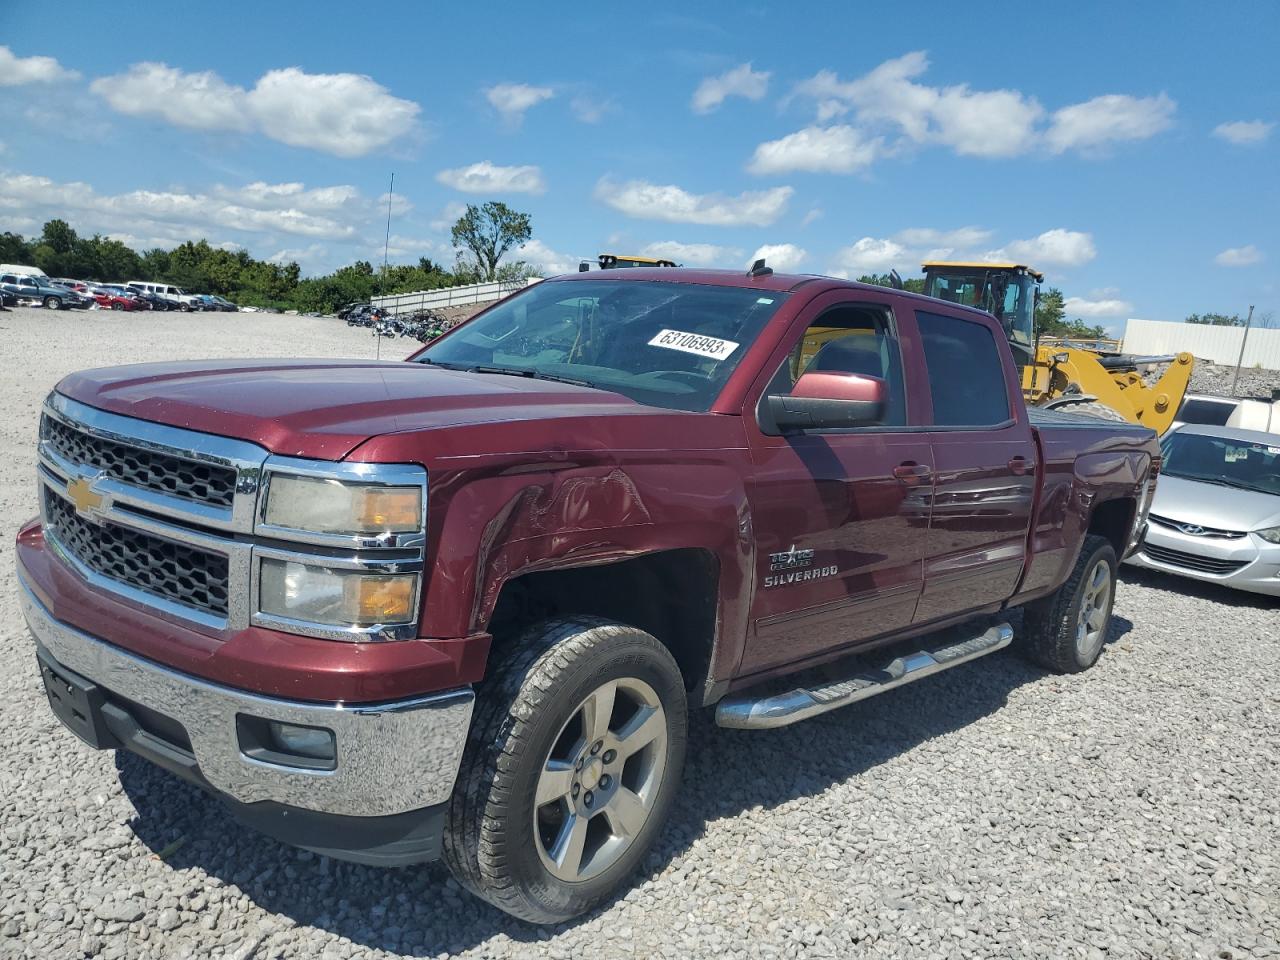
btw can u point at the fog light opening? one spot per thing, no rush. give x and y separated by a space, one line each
286 744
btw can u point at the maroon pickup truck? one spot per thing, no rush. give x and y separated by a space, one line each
460 606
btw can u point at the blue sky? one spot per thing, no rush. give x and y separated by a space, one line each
1132 156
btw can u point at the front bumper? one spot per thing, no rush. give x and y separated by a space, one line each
1248 563
391 758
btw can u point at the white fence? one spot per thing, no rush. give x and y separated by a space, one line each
451 296
1215 344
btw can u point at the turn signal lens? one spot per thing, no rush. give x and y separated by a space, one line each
390 508
333 597
380 599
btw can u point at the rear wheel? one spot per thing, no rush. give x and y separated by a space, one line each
53 303
572 763
1066 630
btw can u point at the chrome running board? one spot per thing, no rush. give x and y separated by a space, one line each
760 713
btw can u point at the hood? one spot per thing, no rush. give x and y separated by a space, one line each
326 408
1211 505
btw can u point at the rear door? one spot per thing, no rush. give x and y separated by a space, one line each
985 462
840 517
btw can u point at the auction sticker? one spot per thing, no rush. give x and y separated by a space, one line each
712 347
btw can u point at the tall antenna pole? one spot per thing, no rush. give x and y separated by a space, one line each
1244 338
387 245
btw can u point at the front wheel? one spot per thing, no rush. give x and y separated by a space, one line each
1066 630
572 763
117 306
53 303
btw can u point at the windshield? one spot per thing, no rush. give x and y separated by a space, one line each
1008 298
665 344
1246 464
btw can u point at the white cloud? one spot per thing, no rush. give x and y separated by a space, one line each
1107 307
202 101
741 81
590 109
1245 256
513 99
651 201
1108 119
995 123
963 238
18 71
871 255
814 214
1067 248
171 216
980 123
693 254
448 215
783 257
1243 132
837 149
486 177
345 114
551 262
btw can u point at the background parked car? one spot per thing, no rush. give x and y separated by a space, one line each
1216 512
44 290
186 301
108 299
225 304
1204 408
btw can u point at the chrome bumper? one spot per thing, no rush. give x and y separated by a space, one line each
391 758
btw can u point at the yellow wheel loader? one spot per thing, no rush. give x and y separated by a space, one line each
1078 376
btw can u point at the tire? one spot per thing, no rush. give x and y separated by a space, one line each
1093 408
1066 631
53 303
532 714
117 306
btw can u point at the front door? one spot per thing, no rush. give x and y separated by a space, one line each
840 518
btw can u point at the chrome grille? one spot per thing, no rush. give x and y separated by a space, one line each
1181 525
151 470
173 571
1192 561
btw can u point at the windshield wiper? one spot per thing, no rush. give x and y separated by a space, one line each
531 375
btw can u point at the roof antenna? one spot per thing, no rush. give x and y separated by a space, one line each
758 269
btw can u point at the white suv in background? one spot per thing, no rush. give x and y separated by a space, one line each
189 301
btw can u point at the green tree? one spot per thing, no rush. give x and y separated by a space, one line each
914 285
13 249
484 234
1216 319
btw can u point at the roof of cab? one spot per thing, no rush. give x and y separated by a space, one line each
778 282
980 264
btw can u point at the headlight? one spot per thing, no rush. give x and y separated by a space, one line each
342 598
1270 534
336 506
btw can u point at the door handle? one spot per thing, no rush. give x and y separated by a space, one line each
1019 466
912 473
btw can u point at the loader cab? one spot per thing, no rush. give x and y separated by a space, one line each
614 261
1007 291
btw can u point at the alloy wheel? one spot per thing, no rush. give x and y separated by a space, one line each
1095 601
599 781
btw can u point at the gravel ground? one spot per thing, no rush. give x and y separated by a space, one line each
992 811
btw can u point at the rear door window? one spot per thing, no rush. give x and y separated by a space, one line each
966 376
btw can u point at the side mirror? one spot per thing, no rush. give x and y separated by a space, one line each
830 401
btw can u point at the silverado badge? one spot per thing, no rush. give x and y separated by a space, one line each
80 492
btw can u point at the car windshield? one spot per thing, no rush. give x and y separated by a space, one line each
1246 464
665 344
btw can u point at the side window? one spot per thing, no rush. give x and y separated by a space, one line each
849 339
966 377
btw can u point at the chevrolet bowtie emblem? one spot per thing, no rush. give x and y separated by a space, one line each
80 491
